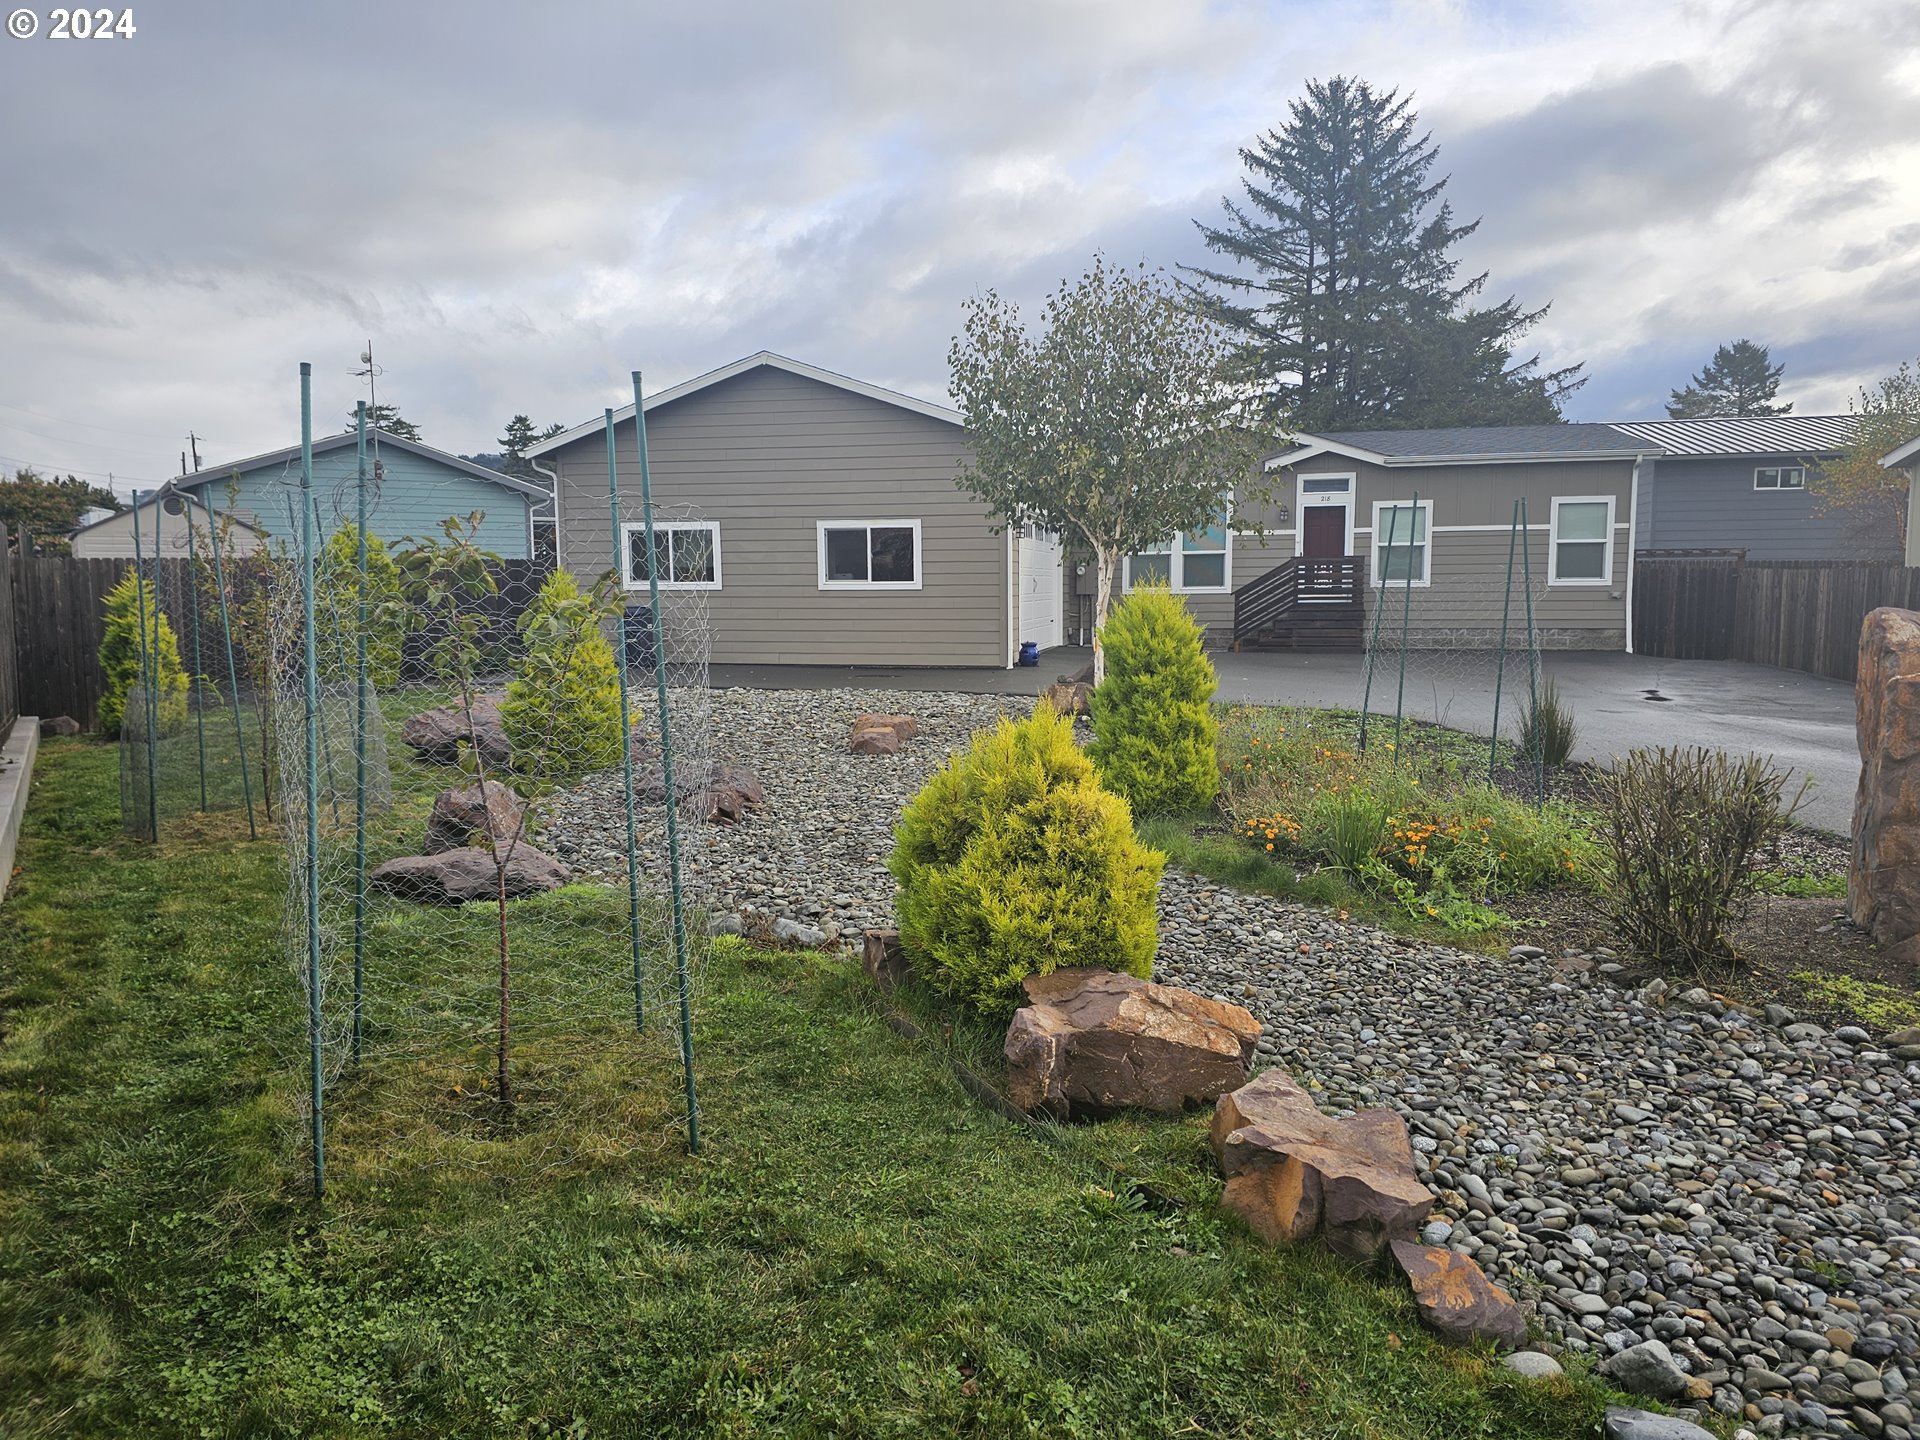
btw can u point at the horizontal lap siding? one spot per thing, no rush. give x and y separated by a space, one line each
1709 503
411 500
768 454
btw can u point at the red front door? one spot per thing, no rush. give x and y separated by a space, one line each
1323 532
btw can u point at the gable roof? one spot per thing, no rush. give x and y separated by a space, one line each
740 367
1748 435
145 498
334 442
1908 451
1468 445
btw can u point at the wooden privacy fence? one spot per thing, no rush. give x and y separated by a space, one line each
53 618
1797 614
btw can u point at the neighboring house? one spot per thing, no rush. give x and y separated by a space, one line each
1907 459
818 516
1742 484
411 489
112 536
1304 568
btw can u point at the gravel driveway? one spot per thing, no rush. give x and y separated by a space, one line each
1745 1189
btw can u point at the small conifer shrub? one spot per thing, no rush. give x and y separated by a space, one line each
338 584
120 655
1153 727
561 713
1014 861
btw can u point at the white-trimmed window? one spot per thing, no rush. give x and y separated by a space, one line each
1580 544
1400 549
869 554
686 555
1780 477
1198 562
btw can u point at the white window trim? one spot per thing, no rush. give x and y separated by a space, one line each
1605 580
1377 554
627 531
1348 502
853 523
1177 569
1776 488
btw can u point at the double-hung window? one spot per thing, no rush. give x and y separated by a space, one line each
1780 477
1581 542
686 555
869 554
1400 548
1195 561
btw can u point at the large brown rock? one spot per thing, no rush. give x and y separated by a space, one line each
1090 1042
64 725
904 726
876 740
459 815
438 734
1293 1173
1883 877
1068 697
1456 1300
721 795
453 877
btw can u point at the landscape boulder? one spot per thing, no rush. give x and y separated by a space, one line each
1293 1173
453 877
1456 1300
722 794
1648 1369
1883 876
59 725
1090 1042
1625 1424
459 815
1068 697
884 958
881 734
436 735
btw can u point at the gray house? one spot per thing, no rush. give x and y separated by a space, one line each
819 516
1742 484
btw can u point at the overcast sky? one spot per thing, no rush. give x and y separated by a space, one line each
518 204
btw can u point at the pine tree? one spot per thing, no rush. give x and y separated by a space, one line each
1738 381
519 435
1348 306
1153 729
561 713
386 418
122 661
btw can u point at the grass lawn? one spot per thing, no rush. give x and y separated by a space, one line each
860 1250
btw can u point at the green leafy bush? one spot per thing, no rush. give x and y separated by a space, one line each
561 713
338 586
1546 731
1681 829
1153 728
120 656
1012 860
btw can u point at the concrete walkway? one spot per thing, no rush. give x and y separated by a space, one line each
1620 702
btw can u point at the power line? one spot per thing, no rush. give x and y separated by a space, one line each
87 424
54 471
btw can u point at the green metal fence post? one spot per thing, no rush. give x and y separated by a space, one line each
626 732
1406 617
1500 661
1373 644
666 768
1533 663
316 1077
199 679
360 734
149 671
233 671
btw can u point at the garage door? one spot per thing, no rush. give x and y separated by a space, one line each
1041 581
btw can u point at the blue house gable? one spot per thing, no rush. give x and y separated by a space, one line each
410 491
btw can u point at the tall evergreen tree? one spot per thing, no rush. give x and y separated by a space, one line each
520 436
1739 380
387 418
1349 306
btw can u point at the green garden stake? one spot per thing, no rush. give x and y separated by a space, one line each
199 679
148 677
672 806
233 671
360 737
626 740
1533 668
1373 644
316 1078
1500 659
1406 616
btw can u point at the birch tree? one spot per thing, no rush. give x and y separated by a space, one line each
1114 424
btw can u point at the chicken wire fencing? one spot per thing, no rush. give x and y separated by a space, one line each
1439 648
467 1000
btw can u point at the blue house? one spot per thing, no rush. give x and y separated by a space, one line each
1741 483
411 489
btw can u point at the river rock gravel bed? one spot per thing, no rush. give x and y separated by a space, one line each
1638 1165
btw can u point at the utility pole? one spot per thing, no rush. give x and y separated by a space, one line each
193 441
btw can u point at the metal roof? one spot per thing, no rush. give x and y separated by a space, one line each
325 443
1748 435
741 367
1468 445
